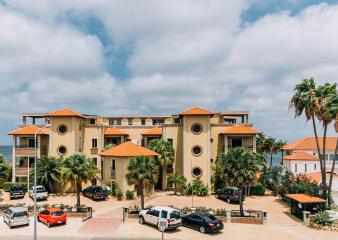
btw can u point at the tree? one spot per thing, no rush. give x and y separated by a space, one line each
316 103
277 179
238 167
269 146
177 181
78 169
165 151
48 171
5 169
142 172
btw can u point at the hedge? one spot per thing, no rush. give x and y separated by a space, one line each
7 185
257 190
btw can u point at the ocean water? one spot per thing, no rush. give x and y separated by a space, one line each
7 152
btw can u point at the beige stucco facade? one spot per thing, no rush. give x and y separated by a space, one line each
87 134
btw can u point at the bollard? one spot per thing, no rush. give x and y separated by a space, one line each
228 214
125 213
265 217
306 218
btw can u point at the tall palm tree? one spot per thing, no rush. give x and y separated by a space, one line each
78 169
166 155
49 171
269 146
142 172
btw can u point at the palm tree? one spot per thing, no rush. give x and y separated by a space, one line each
78 169
5 169
142 172
49 171
269 146
166 155
177 181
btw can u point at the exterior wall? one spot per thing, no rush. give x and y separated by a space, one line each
203 140
311 166
175 133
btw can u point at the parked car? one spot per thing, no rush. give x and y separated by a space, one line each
203 222
229 194
52 216
16 216
41 193
153 215
95 192
17 191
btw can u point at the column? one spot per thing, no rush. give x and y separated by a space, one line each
13 158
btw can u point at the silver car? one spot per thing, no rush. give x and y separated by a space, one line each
16 216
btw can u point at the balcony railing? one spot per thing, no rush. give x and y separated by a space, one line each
170 170
25 151
113 174
94 151
24 146
243 146
21 171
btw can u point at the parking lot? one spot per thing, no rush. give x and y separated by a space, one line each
107 221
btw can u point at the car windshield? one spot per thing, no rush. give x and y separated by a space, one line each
57 213
16 188
39 190
20 214
98 189
175 214
210 218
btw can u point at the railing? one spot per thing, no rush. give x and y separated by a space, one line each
170 170
25 151
113 173
94 151
23 171
25 146
243 146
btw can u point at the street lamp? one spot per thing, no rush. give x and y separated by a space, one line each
35 160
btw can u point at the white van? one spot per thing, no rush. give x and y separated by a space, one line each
153 215
16 216
41 193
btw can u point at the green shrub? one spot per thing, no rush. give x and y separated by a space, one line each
322 218
119 194
7 185
257 190
197 187
129 195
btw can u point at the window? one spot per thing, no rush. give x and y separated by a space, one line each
196 150
196 128
315 166
113 164
305 166
196 172
196 217
331 157
164 214
158 121
177 120
295 167
62 150
94 143
170 140
130 121
94 160
114 121
62 129
31 142
92 121
237 142
143 121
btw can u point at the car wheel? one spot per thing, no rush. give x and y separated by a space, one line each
48 224
37 218
141 220
202 230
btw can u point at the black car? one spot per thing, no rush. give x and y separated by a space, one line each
95 193
17 191
204 222
230 194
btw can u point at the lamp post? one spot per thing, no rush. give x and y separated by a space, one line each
35 160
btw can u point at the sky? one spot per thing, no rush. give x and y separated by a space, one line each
162 57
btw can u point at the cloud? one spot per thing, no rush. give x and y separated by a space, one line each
183 53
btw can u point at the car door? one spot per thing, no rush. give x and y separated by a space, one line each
156 217
7 216
44 216
196 221
222 194
148 216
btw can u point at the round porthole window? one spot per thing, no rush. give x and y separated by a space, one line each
62 129
196 172
196 150
62 150
196 128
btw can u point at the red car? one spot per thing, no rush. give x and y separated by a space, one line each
52 216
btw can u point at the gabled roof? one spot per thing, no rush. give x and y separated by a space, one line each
114 132
128 149
196 111
317 177
303 198
240 130
153 131
309 143
29 130
301 156
65 112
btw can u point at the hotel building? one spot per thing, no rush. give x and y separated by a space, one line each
197 136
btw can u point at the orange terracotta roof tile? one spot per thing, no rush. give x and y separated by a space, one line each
303 198
301 156
240 129
317 177
309 143
128 149
153 131
29 130
66 112
114 132
196 111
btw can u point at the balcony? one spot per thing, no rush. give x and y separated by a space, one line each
94 151
21 171
249 147
170 170
25 150
113 174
